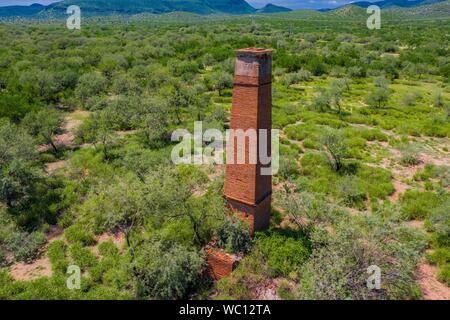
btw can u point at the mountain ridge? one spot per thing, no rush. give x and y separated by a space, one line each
212 7
395 3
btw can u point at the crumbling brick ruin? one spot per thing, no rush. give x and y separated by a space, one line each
247 191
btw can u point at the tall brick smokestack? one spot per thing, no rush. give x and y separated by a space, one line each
247 191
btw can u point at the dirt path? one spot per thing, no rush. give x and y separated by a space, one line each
400 188
40 267
53 166
432 288
72 122
29 271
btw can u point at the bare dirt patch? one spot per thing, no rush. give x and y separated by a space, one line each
71 123
125 133
54 234
30 271
41 267
432 289
418 224
269 289
400 188
53 166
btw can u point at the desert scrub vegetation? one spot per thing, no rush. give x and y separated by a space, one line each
338 265
420 204
347 112
438 223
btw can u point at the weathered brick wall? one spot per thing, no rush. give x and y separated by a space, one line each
220 264
245 188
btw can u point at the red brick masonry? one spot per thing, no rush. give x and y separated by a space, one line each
220 264
246 190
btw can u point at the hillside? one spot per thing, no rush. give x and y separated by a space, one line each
130 7
429 11
436 10
271 8
396 3
23 11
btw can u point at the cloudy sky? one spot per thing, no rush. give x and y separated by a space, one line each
293 4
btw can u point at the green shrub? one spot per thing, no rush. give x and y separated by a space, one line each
288 167
409 160
79 234
82 257
57 255
48 157
430 172
311 144
417 204
233 236
373 134
98 271
352 191
444 274
440 256
27 246
438 223
108 249
284 254
337 268
285 291
378 181
167 272
251 272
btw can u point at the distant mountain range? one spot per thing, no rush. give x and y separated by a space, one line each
395 3
21 11
131 7
202 7
271 8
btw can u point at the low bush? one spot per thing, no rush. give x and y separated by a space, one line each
417 204
374 134
167 272
288 167
57 255
108 249
251 272
79 234
409 160
352 191
338 267
82 257
311 144
378 181
444 274
440 256
233 236
26 246
284 253
438 223
431 172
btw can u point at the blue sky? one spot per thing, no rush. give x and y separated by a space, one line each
293 4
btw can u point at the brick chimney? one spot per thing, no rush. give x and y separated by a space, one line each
247 191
